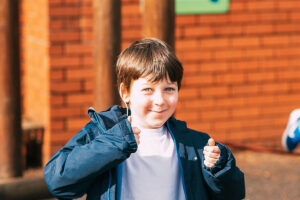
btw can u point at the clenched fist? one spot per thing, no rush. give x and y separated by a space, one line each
211 153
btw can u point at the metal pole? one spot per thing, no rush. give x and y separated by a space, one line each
10 109
159 19
107 39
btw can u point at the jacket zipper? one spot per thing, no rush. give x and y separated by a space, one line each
179 161
110 176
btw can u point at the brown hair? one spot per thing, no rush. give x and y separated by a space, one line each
148 57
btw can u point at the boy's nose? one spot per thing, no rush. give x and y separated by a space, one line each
158 98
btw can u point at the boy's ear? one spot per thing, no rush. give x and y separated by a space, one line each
124 93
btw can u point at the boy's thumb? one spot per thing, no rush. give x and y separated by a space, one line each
211 142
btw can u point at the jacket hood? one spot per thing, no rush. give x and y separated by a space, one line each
109 117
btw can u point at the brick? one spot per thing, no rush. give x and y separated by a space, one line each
215 91
86 35
189 93
76 124
199 80
272 16
259 29
238 6
87 60
288 5
56 75
229 54
245 65
284 52
245 112
64 62
259 53
261 5
130 9
184 20
197 31
274 87
78 49
131 21
79 99
249 89
88 85
232 101
86 10
213 19
64 112
56 100
261 76
58 24
215 43
244 18
61 136
187 44
200 104
195 56
79 74
191 115
86 22
215 114
276 40
64 87
55 50
216 66
64 36
236 29
245 42
64 11
133 33
287 28
56 125
232 78
289 75
294 16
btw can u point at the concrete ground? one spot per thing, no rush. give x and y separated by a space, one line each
270 175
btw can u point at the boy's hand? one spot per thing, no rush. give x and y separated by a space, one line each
211 153
136 131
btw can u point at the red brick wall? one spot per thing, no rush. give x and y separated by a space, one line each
241 68
35 62
71 68
242 71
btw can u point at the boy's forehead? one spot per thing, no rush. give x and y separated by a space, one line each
149 80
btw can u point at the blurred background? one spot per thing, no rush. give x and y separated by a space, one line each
241 62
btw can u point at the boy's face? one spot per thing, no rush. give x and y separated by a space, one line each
152 103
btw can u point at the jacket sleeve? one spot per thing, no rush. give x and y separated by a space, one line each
73 168
224 179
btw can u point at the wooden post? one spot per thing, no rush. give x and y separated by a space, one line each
107 39
10 111
159 19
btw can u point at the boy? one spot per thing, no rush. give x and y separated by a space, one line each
291 135
149 155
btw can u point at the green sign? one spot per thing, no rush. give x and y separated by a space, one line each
201 6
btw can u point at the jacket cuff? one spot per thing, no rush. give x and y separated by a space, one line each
220 164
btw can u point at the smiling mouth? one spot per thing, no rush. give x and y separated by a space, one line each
160 111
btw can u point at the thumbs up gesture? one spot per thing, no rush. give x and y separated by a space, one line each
136 131
211 153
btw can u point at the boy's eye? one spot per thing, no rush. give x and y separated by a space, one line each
170 89
147 89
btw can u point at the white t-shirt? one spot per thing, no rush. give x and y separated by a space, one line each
153 171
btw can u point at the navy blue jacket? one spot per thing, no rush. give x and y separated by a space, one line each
90 163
